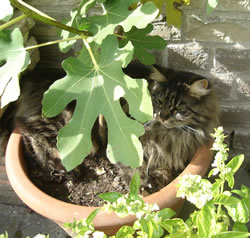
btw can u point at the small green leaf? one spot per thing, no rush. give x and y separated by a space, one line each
232 234
211 5
125 232
110 196
166 213
217 185
245 190
142 41
135 184
157 229
230 179
92 216
13 60
238 192
66 45
240 227
85 5
173 13
235 163
225 200
6 10
78 21
206 220
141 225
238 212
220 227
117 12
211 172
174 224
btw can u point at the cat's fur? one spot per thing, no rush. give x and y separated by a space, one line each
185 114
185 109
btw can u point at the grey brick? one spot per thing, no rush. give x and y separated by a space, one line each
200 4
233 59
235 119
217 29
188 56
234 5
241 139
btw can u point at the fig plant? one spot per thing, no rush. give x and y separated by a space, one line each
94 77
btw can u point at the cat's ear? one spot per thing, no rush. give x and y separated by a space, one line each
156 75
199 88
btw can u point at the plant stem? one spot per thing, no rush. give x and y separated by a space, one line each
221 191
52 42
13 21
40 16
90 52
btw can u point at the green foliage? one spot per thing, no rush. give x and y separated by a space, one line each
13 60
4 235
97 89
141 42
212 220
117 12
173 13
211 5
6 10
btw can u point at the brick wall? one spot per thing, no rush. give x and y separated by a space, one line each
218 47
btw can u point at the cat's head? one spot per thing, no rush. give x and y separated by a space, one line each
180 99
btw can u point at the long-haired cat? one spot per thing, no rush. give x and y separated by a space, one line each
185 109
185 113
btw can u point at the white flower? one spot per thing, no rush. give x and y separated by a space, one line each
216 171
195 189
98 234
155 207
140 214
40 236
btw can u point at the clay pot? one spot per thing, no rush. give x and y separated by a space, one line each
61 212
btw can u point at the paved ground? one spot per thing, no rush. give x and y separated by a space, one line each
20 222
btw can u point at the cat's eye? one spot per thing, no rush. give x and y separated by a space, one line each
179 106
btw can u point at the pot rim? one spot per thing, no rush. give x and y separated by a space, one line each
62 212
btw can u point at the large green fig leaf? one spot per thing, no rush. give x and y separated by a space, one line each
142 41
6 10
97 89
13 60
118 12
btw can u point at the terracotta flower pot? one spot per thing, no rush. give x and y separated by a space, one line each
61 212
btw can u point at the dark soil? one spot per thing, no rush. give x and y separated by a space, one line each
98 176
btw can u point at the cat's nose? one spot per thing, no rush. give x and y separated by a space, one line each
164 115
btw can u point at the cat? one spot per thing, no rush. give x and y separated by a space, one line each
186 112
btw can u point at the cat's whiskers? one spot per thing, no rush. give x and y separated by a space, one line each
194 131
181 128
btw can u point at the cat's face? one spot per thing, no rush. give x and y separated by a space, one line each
178 102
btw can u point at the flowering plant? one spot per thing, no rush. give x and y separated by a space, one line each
221 213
